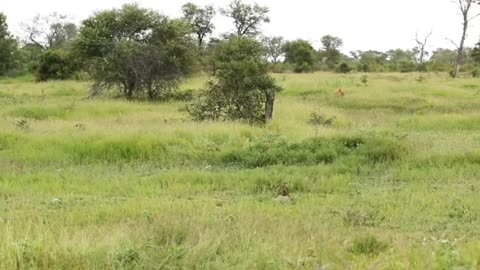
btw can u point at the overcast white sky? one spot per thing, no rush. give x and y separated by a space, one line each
362 24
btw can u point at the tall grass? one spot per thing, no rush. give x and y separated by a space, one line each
114 184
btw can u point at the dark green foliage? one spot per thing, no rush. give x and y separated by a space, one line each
241 88
54 65
137 51
29 57
23 125
368 245
344 68
364 80
475 73
301 55
8 48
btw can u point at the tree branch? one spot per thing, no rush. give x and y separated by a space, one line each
453 42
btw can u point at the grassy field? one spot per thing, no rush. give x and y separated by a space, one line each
392 181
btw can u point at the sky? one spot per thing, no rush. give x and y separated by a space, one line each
361 24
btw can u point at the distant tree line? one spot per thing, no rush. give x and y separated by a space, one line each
138 53
48 46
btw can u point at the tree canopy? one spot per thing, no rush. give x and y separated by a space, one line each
137 50
200 20
301 55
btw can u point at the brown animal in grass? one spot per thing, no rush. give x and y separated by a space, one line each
340 93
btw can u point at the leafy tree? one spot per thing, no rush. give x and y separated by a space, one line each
275 48
136 50
330 42
247 18
330 53
442 60
51 31
8 47
200 20
241 87
301 54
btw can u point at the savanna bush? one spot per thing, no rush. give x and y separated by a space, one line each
241 88
54 65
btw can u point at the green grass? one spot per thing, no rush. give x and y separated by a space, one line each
391 183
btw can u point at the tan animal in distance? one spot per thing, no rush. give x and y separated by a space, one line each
340 93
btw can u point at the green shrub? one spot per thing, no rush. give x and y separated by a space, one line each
344 68
54 65
364 80
368 245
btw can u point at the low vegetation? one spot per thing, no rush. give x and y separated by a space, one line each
390 183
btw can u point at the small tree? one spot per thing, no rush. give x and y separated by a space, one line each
330 53
136 50
8 47
275 48
200 20
241 88
247 18
301 54
421 50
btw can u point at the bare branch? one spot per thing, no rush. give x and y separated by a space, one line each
454 44
473 17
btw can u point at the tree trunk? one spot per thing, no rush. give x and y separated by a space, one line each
461 47
269 103
129 90
460 54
